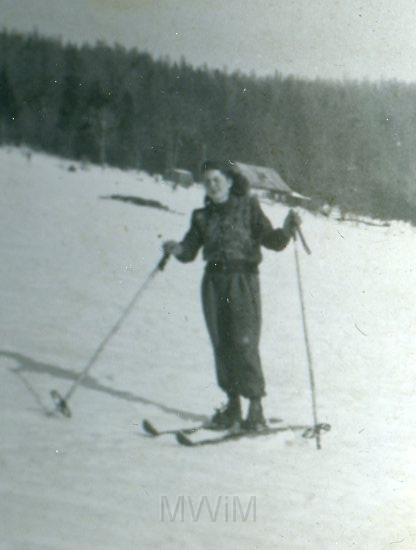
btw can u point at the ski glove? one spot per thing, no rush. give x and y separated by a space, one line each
291 222
172 247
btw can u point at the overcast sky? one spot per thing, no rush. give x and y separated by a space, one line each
313 38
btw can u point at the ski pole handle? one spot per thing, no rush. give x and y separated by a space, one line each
162 263
302 238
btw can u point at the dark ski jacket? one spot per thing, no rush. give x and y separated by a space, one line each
231 231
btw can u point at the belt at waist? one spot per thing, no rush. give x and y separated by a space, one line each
232 266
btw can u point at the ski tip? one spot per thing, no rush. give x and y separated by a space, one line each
183 440
149 428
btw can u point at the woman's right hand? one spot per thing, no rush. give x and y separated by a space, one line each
172 247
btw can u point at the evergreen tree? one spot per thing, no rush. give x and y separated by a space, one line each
8 108
346 143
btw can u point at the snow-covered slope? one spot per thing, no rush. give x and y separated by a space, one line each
70 263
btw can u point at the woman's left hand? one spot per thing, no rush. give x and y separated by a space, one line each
292 221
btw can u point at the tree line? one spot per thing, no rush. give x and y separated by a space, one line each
346 143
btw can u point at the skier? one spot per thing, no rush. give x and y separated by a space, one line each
231 228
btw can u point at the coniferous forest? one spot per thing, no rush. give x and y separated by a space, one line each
347 143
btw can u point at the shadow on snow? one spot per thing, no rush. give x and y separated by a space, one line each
26 364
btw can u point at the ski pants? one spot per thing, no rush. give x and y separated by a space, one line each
232 310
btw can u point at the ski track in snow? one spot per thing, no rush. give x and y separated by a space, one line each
71 263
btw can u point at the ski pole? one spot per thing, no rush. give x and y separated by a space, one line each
298 230
315 431
302 238
61 403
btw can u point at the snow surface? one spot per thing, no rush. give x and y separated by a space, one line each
70 263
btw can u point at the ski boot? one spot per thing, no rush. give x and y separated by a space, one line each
255 421
227 417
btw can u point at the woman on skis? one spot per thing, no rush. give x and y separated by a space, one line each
230 229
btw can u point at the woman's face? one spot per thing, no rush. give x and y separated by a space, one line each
217 185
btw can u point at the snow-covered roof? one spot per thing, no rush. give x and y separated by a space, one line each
261 177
